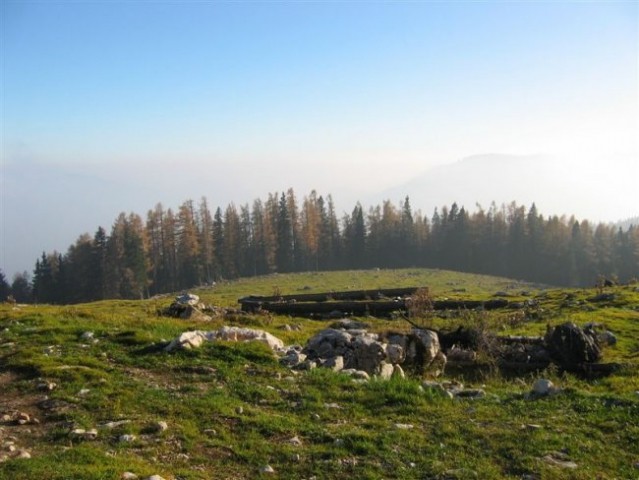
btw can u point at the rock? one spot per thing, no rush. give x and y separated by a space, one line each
87 336
395 353
328 343
239 410
543 387
368 354
267 469
398 372
385 371
357 374
423 349
46 386
570 346
431 385
23 418
239 334
187 299
83 434
83 392
336 363
295 441
111 425
128 476
607 338
154 477
188 340
457 354
23 454
472 393
293 358
161 426
559 459
126 438
404 426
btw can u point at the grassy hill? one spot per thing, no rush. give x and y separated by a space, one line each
228 410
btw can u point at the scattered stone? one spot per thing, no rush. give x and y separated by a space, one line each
83 434
332 405
472 393
46 386
543 387
126 438
267 469
295 441
154 477
239 410
532 426
404 426
460 473
128 476
559 459
83 392
161 426
86 336
23 418
315 416
111 425
23 454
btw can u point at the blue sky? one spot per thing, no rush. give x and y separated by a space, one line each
144 102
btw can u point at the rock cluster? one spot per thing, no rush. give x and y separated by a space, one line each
361 353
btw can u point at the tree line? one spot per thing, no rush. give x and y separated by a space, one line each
172 250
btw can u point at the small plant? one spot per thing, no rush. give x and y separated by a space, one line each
420 309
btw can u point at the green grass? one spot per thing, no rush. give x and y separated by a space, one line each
346 429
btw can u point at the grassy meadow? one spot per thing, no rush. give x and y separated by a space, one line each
230 409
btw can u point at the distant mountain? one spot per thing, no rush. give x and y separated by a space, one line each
597 190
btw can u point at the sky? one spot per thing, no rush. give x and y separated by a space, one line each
116 106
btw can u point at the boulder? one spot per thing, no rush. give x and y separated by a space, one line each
188 340
334 363
368 354
187 299
328 343
571 346
395 353
239 334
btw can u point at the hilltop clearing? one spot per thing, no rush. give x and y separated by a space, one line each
93 391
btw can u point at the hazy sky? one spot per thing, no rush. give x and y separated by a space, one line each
112 106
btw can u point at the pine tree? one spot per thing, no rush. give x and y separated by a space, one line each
21 288
284 253
5 288
188 247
